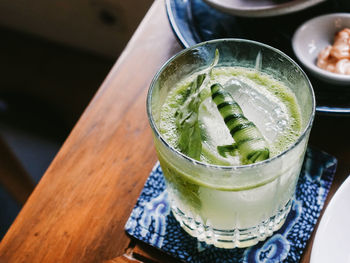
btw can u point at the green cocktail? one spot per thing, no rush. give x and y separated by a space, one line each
230 138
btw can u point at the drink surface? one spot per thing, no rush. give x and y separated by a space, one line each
265 101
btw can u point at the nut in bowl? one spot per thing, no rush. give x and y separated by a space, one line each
313 42
231 120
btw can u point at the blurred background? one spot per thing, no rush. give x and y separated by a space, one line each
54 55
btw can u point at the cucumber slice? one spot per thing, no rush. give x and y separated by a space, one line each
249 141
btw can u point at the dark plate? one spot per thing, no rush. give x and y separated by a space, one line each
193 21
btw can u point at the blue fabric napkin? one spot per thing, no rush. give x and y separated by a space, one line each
152 222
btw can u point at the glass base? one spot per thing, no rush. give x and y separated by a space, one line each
235 237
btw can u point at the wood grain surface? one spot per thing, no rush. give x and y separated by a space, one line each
78 211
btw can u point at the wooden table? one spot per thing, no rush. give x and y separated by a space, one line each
78 210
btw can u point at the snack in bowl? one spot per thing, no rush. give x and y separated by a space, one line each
311 37
230 132
336 58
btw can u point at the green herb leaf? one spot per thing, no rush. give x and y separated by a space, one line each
187 124
190 139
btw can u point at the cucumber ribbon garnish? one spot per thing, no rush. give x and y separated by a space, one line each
249 142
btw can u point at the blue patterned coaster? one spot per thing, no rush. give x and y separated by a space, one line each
152 222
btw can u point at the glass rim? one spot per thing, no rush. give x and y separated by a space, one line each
229 167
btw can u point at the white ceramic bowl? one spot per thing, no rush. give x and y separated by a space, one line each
312 37
261 8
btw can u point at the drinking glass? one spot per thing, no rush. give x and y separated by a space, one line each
231 206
